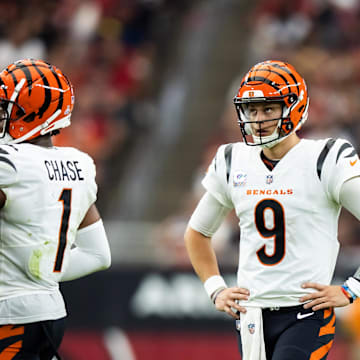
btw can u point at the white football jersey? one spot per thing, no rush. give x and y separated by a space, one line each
48 192
288 216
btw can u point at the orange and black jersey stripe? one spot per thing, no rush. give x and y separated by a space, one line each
11 341
326 336
38 340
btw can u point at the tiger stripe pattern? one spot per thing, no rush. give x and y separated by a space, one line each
10 341
326 336
38 97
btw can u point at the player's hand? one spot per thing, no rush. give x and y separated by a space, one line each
226 301
326 296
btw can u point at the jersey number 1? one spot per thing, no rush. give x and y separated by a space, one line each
277 231
65 198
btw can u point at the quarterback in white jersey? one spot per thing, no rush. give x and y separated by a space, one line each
50 229
286 216
287 193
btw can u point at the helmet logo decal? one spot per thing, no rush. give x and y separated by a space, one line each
253 93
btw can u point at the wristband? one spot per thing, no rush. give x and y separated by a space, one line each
348 293
353 285
214 283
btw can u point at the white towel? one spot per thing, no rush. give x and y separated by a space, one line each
252 334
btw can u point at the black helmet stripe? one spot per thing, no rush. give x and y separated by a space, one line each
27 73
14 79
264 80
290 73
3 86
47 100
277 73
61 97
20 65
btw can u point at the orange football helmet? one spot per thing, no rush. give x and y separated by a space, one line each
275 81
36 98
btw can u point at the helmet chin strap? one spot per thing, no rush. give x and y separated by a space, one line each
271 144
274 142
270 140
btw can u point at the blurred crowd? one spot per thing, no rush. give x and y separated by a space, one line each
106 48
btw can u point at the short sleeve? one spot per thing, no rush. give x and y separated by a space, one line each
342 164
215 180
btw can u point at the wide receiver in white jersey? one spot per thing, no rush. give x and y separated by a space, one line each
287 193
50 229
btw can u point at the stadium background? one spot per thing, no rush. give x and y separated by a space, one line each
154 81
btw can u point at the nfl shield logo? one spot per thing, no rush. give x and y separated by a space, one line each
269 179
251 328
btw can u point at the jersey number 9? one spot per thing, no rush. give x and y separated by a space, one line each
277 231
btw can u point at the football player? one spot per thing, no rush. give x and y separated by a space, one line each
51 230
287 193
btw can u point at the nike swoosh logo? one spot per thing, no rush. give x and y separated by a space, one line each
303 316
352 163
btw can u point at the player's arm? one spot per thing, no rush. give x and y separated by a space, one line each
334 296
204 222
92 251
350 200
